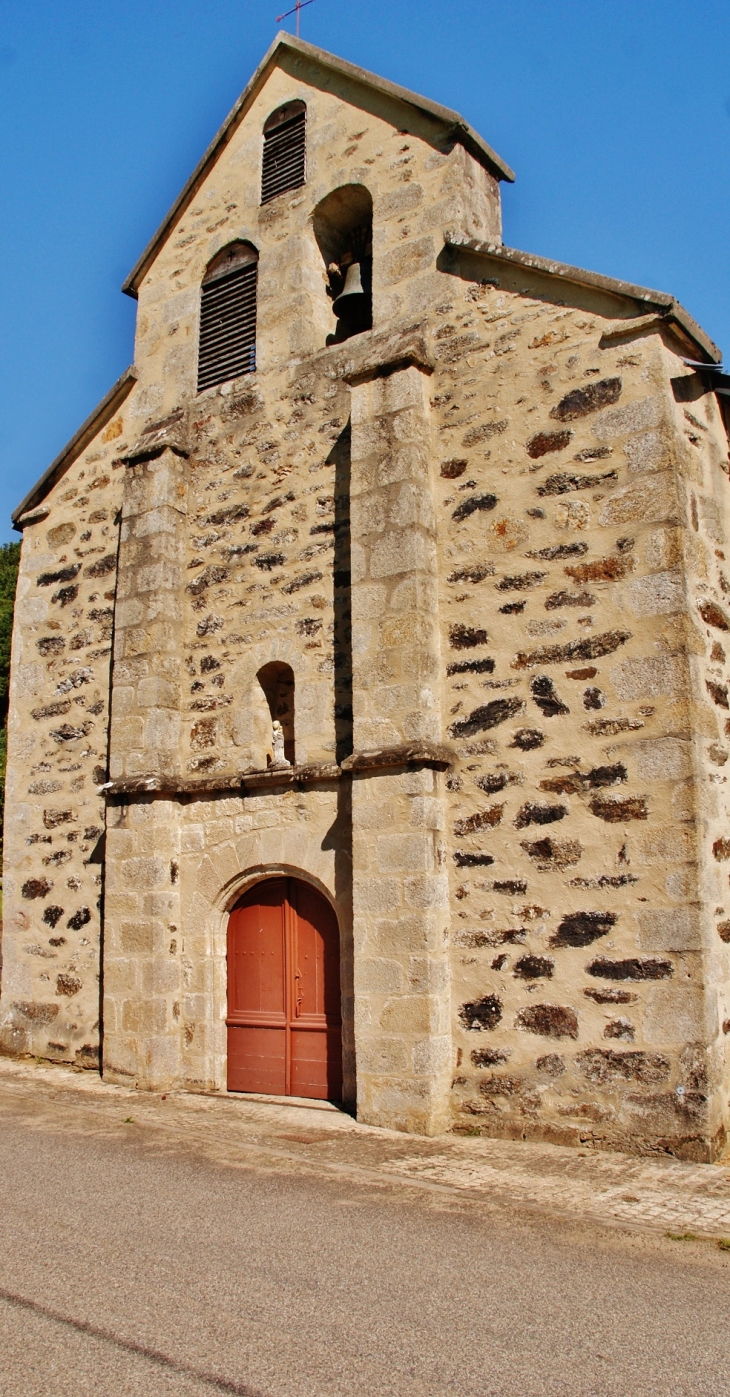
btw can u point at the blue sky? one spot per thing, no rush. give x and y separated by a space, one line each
615 115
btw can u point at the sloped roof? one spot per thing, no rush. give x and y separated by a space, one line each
667 305
448 126
97 419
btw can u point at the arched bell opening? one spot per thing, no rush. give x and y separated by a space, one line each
343 228
274 714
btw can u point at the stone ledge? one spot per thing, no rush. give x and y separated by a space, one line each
430 754
243 783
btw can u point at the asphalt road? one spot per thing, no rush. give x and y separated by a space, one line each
130 1268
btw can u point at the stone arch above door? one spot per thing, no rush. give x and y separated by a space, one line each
217 877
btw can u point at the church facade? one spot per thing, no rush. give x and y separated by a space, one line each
369 717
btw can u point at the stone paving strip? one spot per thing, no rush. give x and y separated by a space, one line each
657 1194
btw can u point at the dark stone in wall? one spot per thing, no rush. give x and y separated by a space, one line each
723 931
47 579
230 515
521 582
485 666
559 550
563 483
513 608
268 561
605 1065
495 781
466 637
548 1020
558 599
464 860
472 504
306 579
481 1013
552 1063
50 644
610 569
581 928
534 967
102 567
611 996
65 595
553 853
51 915
546 696
713 614
580 781
67 985
476 573
527 739
582 401
591 648
619 809
488 715
501 1086
484 432
532 814
489 1057
594 699
545 442
483 819
451 470
632 969
36 887
51 710
511 886
718 693
619 1028
79 919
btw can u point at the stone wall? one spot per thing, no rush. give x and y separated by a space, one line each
58 727
583 506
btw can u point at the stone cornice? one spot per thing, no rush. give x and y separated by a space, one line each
407 754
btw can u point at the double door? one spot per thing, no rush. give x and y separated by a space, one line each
284 1022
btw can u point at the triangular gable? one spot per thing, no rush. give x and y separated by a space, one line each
448 127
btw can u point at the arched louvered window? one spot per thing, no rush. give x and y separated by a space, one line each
228 316
284 161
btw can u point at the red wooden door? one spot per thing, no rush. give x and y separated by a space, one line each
284 1023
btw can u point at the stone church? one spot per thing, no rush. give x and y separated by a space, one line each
370 712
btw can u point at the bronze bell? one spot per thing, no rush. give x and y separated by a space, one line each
352 295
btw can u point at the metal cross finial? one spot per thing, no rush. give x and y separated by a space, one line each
299 6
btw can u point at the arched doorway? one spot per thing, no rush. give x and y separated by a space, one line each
284 1016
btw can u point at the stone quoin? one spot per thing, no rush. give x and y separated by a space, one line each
395 566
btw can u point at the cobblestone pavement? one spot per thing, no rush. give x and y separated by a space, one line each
661 1195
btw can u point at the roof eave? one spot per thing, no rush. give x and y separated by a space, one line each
668 305
460 131
79 441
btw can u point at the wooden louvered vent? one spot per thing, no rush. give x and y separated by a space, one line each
284 159
228 317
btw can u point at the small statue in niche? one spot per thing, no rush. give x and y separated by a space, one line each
277 744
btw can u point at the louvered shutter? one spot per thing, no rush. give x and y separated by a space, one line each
228 326
284 159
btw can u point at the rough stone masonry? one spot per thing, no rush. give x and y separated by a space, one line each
487 536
